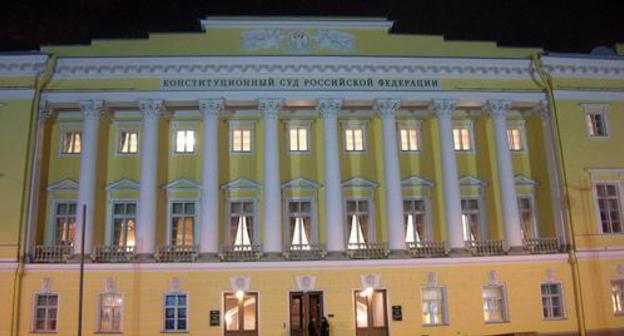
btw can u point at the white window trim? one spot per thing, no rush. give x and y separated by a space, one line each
65 127
196 223
51 229
98 325
388 310
535 215
314 229
519 124
410 124
108 235
33 324
563 305
620 279
127 126
601 109
258 308
620 193
506 318
308 125
428 222
445 316
228 215
372 229
242 124
354 124
469 124
164 319
183 125
482 220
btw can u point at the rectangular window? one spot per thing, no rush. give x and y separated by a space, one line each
552 302
46 310
299 224
596 123
241 313
414 220
514 139
185 141
609 207
358 223
462 140
124 222
434 305
182 223
298 139
354 139
242 218
110 312
410 141
527 217
128 142
370 311
65 220
494 304
617 296
176 312
471 218
72 142
241 140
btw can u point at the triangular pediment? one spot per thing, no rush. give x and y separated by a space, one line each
123 185
358 182
64 185
241 183
523 180
471 181
182 184
416 182
301 183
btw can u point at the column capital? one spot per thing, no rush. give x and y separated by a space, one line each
387 106
151 108
92 109
542 108
211 107
497 108
44 111
329 107
443 107
270 107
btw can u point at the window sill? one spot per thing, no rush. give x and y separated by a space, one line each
42 332
174 331
436 325
555 319
496 322
108 332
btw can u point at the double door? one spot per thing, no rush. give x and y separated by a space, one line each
241 314
370 313
306 312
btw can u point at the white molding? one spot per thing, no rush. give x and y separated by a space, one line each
16 94
601 253
318 23
359 182
24 65
597 95
64 185
523 180
471 181
123 184
416 181
576 67
300 183
241 184
182 184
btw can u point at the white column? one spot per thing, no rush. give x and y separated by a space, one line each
334 223
146 217
270 108
92 111
444 110
498 110
392 172
209 239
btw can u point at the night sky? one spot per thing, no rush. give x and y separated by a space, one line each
557 26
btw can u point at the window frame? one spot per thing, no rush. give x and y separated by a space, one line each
354 124
428 228
238 124
69 127
482 214
561 298
621 295
314 229
464 124
520 125
620 196
34 306
164 312
52 231
372 230
225 294
535 216
444 301
127 126
228 216
110 234
596 109
410 125
503 299
177 127
99 314
298 124
196 218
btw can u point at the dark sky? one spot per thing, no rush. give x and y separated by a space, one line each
557 26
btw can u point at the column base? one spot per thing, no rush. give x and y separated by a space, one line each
516 250
336 255
75 259
272 256
208 257
144 258
459 252
398 254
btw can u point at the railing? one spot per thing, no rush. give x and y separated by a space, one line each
52 253
240 252
367 250
541 245
177 253
304 252
113 254
485 247
427 249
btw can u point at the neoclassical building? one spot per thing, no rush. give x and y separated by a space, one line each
262 174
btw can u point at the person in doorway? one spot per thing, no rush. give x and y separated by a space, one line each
324 327
312 328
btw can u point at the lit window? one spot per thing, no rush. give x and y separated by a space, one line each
176 312
409 139
527 217
370 311
185 141
462 139
124 220
357 219
65 220
552 302
241 312
298 139
596 120
494 304
110 312
514 139
128 142
617 296
299 224
434 305
609 208
354 139
182 222
414 219
241 140
46 310
242 217
471 217
72 143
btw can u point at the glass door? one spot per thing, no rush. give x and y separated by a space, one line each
241 314
370 313
306 312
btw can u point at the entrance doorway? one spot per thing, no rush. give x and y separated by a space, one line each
304 308
241 314
370 313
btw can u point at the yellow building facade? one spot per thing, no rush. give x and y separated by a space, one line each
258 176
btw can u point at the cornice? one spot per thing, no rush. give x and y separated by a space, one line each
168 67
320 23
585 67
22 65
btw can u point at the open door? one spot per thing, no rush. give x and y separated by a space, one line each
240 314
370 313
305 308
